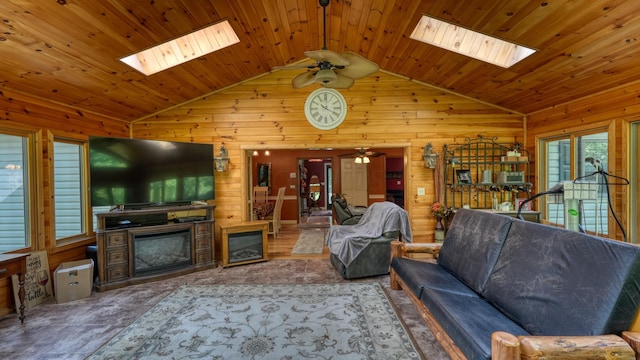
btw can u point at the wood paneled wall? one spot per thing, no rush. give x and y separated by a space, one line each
384 111
614 111
48 120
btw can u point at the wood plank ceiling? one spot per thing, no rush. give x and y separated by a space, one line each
67 51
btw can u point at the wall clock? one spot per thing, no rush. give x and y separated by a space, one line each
325 108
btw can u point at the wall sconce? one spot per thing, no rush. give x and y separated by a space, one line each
430 158
222 161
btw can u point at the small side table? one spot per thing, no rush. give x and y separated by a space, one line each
15 264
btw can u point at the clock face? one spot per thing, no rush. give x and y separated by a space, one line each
325 108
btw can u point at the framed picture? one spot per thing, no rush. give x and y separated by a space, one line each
464 176
264 175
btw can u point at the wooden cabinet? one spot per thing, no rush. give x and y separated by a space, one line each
116 258
204 244
483 174
116 231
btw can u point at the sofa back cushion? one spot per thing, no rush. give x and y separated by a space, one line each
472 245
553 281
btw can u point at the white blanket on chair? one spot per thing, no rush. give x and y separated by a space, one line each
347 241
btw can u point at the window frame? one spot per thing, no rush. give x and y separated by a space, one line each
35 186
574 166
88 234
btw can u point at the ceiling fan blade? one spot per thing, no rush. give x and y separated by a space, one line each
375 153
327 55
342 82
359 66
296 66
303 79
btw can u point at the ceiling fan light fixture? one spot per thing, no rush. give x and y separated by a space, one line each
326 77
362 160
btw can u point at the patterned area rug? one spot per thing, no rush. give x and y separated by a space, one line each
332 321
309 242
316 222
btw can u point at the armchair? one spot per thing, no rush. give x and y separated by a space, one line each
364 249
344 213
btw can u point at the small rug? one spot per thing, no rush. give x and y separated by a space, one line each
332 321
309 242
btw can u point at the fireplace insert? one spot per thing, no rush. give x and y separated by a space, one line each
154 253
245 246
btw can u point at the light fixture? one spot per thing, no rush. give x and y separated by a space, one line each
183 49
222 161
256 153
326 77
362 160
467 42
430 158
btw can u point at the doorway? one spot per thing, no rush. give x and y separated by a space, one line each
287 170
315 185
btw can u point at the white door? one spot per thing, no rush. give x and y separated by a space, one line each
353 182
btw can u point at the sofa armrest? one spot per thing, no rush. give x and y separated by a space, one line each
633 338
400 249
505 346
352 220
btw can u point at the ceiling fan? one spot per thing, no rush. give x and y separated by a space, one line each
362 153
332 70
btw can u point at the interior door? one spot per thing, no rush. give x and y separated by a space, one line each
353 182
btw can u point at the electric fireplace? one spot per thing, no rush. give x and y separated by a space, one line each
244 243
154 253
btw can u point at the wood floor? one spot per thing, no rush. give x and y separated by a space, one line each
280 247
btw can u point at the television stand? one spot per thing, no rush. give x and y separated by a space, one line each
118 231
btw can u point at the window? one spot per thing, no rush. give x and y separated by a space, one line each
185 48
467 42
69 189
577 158
15 190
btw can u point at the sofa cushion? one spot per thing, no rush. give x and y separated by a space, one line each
472 245
554 281
468 320
419 274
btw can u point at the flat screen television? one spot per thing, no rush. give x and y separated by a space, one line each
140 173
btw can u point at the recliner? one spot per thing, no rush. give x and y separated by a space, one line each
343 212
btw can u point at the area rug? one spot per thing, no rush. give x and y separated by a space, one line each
330 321
322 222
309 242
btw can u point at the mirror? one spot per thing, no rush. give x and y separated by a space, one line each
314 190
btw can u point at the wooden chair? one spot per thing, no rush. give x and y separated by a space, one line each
260 198
260 194
274 220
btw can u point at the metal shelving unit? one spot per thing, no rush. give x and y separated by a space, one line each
481 170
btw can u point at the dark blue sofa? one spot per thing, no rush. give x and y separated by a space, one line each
529 288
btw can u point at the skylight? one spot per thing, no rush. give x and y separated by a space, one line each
183 49
470 43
